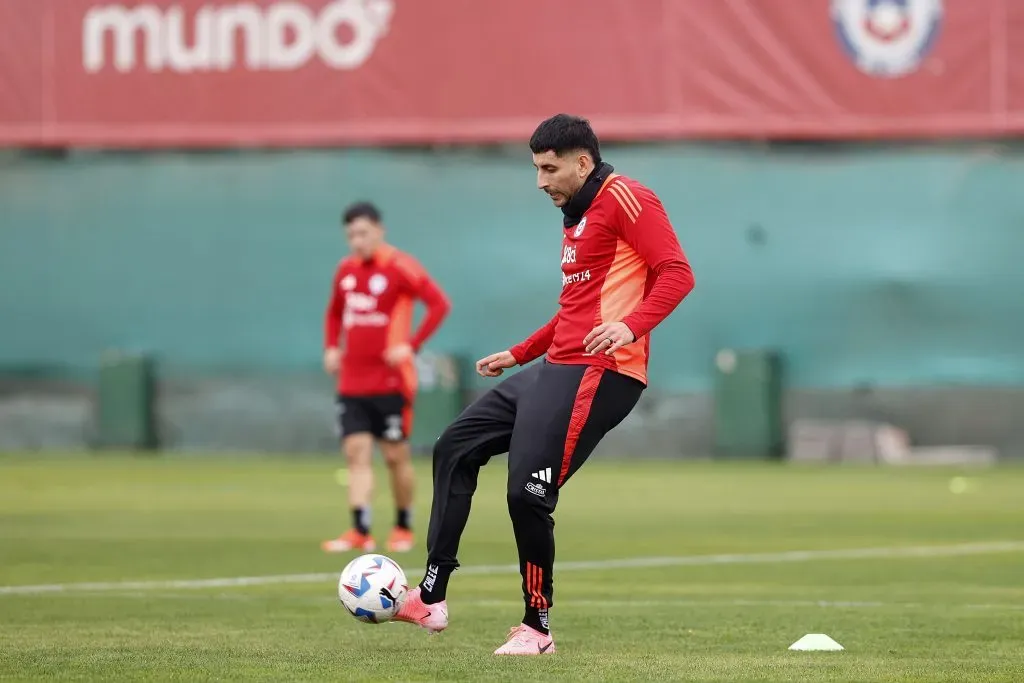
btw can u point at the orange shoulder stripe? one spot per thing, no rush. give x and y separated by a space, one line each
627 206
630 197
408 266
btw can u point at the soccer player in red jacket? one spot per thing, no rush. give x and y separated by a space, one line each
623 272
369 344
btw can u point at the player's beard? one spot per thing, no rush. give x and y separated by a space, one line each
560 199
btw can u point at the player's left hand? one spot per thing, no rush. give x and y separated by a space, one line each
398 354
608 338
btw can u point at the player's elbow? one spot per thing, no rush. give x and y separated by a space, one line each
442 306
688 281
437 299
681 275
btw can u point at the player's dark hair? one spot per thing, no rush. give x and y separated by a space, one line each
564 133
361 210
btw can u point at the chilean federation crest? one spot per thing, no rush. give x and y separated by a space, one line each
579 228
378 283
887 38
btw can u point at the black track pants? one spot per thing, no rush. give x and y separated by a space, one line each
549 418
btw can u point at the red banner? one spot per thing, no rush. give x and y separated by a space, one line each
281 72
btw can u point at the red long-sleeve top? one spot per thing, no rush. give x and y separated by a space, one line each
370 310
621 262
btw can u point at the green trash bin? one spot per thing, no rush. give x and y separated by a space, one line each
439 399
748 404
126 402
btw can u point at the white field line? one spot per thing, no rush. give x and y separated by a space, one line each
606 604
899 552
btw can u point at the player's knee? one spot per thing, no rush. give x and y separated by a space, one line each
458 460
444 447
357 461
358 452
396 455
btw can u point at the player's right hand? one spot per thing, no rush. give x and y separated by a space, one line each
495 364
332 360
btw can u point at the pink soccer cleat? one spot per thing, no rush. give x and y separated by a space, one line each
434 617
524 640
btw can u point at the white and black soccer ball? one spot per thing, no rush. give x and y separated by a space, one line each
372 588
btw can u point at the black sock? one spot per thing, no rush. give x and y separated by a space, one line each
537 618
403 520
434 586
361 520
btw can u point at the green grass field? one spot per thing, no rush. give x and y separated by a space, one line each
941 599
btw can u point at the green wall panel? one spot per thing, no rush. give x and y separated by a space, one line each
895 267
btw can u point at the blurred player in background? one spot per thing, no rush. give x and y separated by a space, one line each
369 345
623 272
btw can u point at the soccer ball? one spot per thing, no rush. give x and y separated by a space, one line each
372 588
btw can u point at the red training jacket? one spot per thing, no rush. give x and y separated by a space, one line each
370 310
621 262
